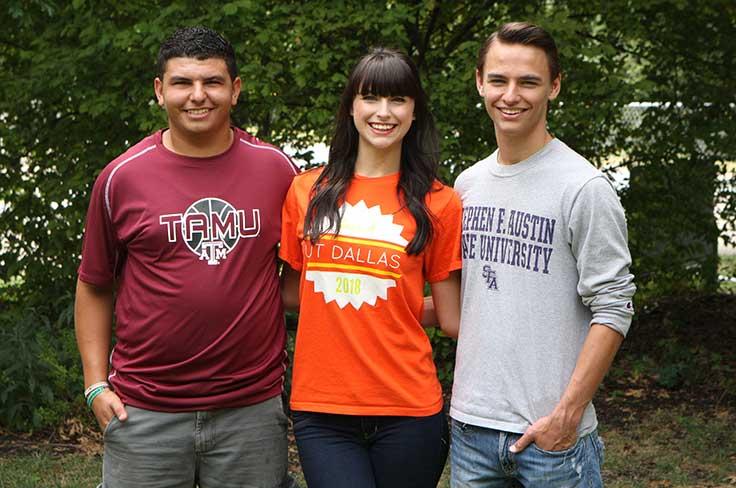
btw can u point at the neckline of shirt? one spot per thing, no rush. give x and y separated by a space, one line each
192 160
377 179
507 170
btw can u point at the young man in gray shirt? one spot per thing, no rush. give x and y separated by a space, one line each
546 285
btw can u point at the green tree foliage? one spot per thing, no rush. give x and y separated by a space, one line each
678 150
77 90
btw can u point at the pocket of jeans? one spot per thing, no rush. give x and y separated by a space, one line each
109 426
600 449
281 418
299 418
459 427
563 452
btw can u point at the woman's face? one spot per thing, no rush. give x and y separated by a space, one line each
382 122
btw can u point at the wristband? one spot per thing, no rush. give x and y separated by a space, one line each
93 386
94 394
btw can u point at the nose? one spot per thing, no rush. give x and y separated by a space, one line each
198 93
511 94
382 110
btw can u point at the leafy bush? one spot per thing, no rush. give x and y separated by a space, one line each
40 373
443 352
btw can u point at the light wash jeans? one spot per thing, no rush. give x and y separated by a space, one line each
226 448
480 458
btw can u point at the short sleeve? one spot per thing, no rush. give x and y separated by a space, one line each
101 250
291 223
442 255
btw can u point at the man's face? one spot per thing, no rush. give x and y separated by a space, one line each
516 88
197 95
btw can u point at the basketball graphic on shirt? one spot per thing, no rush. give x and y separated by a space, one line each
207 207
360 264
211 228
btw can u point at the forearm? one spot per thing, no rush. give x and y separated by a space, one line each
429 316
595 359
446 300
558 430
93 308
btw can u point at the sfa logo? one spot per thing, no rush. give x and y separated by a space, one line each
490 276
211 228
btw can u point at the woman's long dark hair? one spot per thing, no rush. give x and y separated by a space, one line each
383 72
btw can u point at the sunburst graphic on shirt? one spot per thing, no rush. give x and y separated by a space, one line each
362 263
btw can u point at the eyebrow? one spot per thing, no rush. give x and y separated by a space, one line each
492 75
174 79
531 78
179 79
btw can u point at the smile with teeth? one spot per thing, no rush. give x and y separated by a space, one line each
197 111
381 127
511 111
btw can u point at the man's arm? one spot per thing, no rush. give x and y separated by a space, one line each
443 307
93 308
599 242
558 430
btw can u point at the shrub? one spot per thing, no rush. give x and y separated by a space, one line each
40 373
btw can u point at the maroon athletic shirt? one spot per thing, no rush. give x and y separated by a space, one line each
191 244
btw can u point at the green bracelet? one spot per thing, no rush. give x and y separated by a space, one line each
94 394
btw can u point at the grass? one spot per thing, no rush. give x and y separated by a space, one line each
46 470
676 447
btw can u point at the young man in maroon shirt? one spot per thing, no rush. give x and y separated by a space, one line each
180 243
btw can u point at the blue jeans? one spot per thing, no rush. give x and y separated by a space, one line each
480 458
354 451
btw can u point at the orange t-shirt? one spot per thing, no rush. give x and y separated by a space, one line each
360 349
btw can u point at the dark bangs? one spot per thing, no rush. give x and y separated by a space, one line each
384 74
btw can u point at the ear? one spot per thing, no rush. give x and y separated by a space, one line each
237 85
479 82
556 85
158 89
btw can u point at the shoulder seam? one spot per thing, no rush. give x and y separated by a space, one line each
289 163
583 185
112 173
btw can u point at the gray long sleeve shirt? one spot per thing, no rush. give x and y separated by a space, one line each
545 255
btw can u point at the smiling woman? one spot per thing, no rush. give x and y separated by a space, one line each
361 237
384 88
382 122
